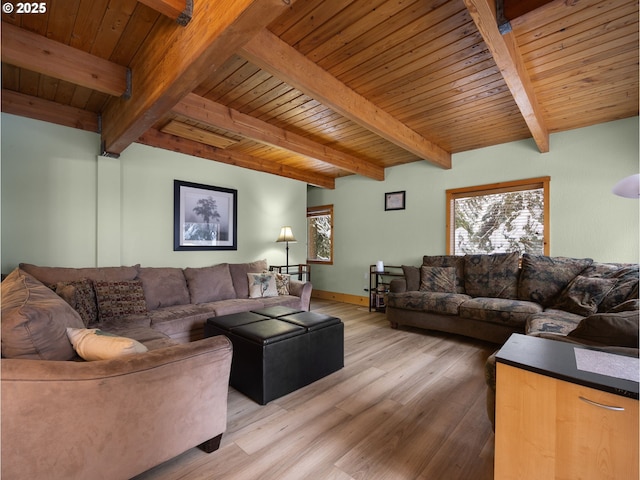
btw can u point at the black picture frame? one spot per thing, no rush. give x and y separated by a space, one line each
204 217
394 200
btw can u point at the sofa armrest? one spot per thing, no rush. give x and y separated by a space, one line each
303 290
398 285
75 419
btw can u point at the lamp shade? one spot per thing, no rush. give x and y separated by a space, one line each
628 187
286 235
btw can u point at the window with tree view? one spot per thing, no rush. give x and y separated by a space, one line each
499 218
320 234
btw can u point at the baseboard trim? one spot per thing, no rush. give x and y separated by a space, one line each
340 297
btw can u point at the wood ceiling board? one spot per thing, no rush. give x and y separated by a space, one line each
197 134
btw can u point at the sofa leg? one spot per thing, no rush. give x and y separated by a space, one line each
211 445
393 324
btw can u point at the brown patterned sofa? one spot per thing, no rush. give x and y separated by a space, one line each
492 296
489 297
157 389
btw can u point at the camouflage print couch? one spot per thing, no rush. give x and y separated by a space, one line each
489 297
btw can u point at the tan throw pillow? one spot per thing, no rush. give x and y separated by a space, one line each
262 285
119 299
93 344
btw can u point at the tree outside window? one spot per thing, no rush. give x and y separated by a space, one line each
320 234
499 218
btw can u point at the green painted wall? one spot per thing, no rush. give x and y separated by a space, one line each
64 205
586 219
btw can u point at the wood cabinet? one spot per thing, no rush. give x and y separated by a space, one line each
550 427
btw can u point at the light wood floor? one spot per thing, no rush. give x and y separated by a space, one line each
408 404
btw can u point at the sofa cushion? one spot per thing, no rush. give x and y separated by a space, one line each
239 275
493 275
626 287
181 320
35 320
583 295
543 278
433 302
209 284
448 261
438 279
411 277
262 285
552 321
499 310
81 295
615 329
52 275
163 287
119 299
94 344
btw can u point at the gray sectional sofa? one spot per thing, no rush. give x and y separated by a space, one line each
157 389
489 297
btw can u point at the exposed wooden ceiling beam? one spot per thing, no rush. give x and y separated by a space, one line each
283 61
211 113
178 10
505 53
47 111
42 55
155 138
196 134
172 62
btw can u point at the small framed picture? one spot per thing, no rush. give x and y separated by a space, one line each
394 200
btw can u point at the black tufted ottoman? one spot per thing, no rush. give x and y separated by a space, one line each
276 351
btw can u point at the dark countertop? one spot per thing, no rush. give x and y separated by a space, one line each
557 359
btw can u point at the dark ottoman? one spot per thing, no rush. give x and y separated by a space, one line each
326 342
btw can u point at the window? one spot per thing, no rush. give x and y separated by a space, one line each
320 234
499 218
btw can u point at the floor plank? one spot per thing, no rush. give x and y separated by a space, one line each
409 404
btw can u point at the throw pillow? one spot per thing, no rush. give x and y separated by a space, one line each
282 282
438 279
412 277
93 344
82 298
34 320
262 285
448 261
543 278
613 329
494 276
163 287
583 295
119 299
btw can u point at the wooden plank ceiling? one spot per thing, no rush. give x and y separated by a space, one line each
318 89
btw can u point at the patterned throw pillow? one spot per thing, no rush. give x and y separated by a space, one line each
119 299
262 285
282 281
583 295
543 278
438 279
82 298
448 261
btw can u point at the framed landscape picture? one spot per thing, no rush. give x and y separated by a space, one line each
394 200
204 217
